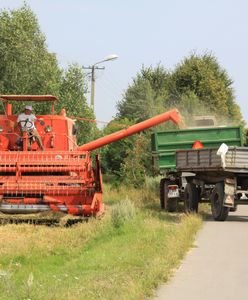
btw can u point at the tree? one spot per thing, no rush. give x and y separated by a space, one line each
202 78
197 85
113 154
146 96
26 66
133 170
72 95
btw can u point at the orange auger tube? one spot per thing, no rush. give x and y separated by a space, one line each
172 115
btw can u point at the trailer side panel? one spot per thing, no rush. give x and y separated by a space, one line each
166 143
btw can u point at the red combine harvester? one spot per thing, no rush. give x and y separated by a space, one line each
61 178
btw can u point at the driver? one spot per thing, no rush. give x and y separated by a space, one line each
26 123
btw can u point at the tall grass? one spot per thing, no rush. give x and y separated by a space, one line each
147 196
122 212
124 255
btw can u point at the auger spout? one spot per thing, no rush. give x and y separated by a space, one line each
172 115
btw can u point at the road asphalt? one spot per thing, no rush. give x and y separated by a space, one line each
216 267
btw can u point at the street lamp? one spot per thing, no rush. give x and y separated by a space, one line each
93 68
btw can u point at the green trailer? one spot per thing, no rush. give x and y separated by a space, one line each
195 178
166 143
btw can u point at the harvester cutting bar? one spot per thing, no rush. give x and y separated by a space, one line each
25 209
28 209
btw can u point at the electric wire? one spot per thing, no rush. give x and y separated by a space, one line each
98 121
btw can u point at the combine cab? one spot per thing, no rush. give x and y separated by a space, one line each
62 177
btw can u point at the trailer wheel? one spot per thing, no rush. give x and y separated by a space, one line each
161 195
168 204
172 205
191 197
219 212
233 209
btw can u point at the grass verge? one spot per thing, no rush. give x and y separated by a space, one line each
125 255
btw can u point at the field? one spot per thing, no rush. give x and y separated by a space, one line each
124 255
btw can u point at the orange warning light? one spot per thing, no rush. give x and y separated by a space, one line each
197 145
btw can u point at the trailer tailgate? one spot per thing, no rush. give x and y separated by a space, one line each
235 160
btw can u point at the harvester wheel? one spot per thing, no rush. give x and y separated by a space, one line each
168 204
219 211
191 198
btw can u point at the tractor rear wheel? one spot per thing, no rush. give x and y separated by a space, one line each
191 198
166 203
219 211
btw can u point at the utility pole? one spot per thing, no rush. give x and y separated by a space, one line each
93 68
93 79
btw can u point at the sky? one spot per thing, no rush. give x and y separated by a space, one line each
143 32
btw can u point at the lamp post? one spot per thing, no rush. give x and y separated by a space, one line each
93 68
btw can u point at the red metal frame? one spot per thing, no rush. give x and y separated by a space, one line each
36 98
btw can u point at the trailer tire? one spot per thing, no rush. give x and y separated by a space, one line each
167 204
191 198
219 212
233 209
161 195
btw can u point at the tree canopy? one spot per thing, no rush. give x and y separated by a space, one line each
145 97
197 85
27 67
202 79
114 154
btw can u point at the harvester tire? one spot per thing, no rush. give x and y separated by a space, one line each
167 204
191 198
219 211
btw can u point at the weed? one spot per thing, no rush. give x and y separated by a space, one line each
122 212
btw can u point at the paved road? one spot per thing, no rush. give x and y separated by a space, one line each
217 268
